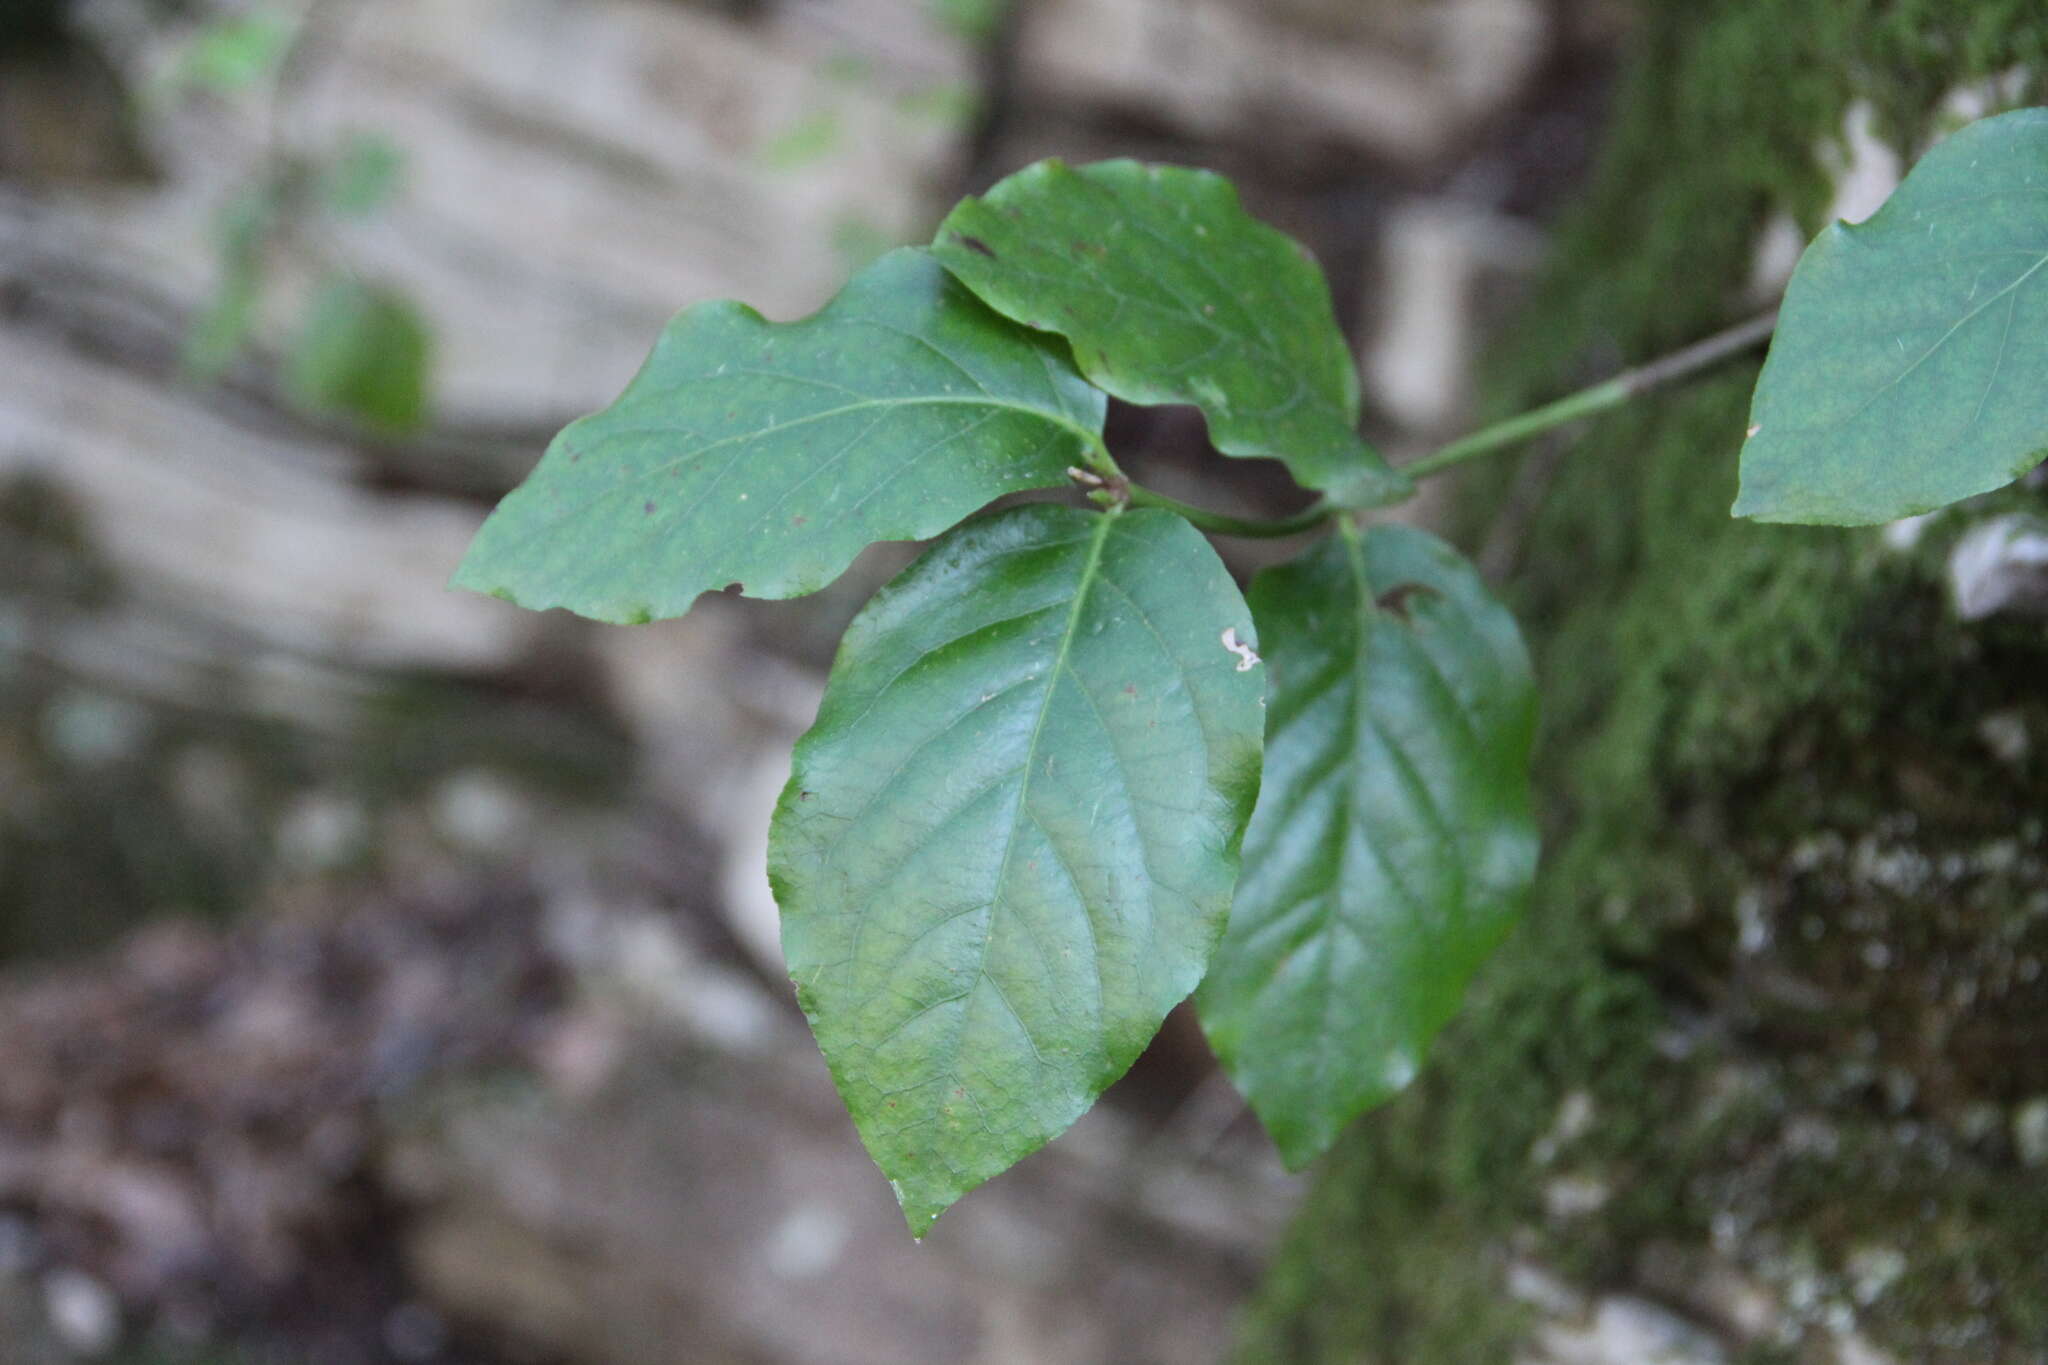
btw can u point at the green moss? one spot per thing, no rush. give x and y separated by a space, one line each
1745 725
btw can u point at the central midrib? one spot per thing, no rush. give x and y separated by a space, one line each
1088 439
1089 571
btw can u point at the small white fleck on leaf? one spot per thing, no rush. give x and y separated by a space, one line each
1246 659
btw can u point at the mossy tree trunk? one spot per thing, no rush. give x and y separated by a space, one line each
1769 1057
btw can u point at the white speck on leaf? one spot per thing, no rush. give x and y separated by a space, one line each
1246 659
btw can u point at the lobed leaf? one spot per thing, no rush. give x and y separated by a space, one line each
1908 365
1171 293
1007 846
1394 839
768 455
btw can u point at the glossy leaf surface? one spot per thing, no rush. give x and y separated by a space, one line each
1908 370
769 455
1171 293
1008 844
1394 839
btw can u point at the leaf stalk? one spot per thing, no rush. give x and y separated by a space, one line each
1585 403
1222 524
1600 397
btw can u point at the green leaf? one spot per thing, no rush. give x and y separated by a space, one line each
1394 839
1171 293
1007 847
363 353
222 327
364 176
231 55
805 143
1908 368
769 455
976 21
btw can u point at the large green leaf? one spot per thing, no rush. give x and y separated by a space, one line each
1007 847
768 455
1393 841
1171 293
1910 368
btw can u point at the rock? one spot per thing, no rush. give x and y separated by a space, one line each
185 1120
1402 81
2005 734
1575 1115
746 898
1574 1196
262 536
697 1189
1625 1330
1851 1349
480 812
25 1326
576 171
83 1313
2030 1131
2000 567
1540 1289
93 730
1873 1270
415 1332
1440 261
321 832
1864 169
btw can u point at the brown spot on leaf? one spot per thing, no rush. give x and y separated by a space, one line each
1395 599
975 244
647 508
798 521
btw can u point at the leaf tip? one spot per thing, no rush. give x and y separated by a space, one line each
1300 1145
919 1213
